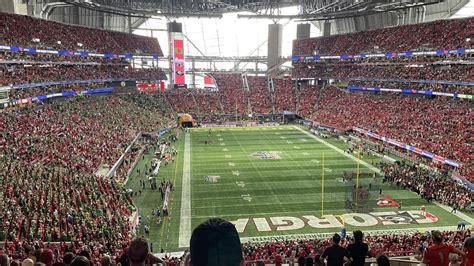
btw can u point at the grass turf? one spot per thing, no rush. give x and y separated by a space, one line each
249 187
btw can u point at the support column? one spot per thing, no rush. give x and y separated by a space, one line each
303 31
129 18
326 28
275 32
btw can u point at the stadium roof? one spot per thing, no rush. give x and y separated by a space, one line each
308 9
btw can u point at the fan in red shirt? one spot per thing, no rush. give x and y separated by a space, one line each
438 253
469 249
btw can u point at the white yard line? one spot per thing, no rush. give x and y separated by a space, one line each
459 214
185 220
371 167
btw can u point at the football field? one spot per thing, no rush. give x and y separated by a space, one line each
279 181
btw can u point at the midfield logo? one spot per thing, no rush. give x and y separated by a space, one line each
211 178
267 155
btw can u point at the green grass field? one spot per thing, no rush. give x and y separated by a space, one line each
278 196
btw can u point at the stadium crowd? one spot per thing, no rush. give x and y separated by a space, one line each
301 252
31 92
415 86
32 32
389 244
36 58
437 125
285 96
259 94
440 34
231 93
428 184
399 72
51 148
36 74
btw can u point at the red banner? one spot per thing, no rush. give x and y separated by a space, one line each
179 72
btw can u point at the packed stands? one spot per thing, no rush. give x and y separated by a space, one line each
389 244
259 95
37 58
54 204
74 74
278 250
60 146
22 30
427 184
89 132
442 127
22 75
208 102
416 86
285 96
307 98
400 72
441 34
182 101
30 92
233 97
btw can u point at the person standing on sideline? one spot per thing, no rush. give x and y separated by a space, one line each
335 254
358 250
438 253
455 208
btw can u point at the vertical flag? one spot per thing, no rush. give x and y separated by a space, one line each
179 73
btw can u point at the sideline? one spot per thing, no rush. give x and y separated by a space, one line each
170 217
185 219
371 167
458 213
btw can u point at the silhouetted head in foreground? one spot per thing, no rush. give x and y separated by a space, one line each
215 243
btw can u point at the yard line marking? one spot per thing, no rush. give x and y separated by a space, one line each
185 220
340 151
258 171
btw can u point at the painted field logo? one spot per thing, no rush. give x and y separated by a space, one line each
267 155
212 178
288 223
386 201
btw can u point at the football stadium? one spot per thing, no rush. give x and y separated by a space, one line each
236 132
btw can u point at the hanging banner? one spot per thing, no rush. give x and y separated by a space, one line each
177 48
